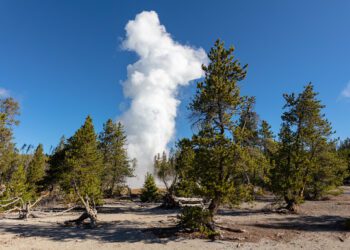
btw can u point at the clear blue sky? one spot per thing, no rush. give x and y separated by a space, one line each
62 59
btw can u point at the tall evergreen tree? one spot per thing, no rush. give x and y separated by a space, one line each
344 152
116 164
304 141
215 109
9 109
248 122
56 165
36 168
266 139
18 193
82 179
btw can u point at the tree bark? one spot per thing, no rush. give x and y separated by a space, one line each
291 205
89 213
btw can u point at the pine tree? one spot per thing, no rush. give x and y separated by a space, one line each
268 146
18 193
217 145
186 185
36 168
9 109
344 152
164 167
165 170
149 190
328 172
84 169
266 139
248 122
304 144
18 186
56 165
117 165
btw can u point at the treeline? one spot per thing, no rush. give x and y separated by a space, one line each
82 169
231 157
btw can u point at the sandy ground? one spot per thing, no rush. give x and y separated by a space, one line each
319 225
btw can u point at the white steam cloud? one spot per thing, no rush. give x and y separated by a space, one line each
152 86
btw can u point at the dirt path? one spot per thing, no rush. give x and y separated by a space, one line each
131 226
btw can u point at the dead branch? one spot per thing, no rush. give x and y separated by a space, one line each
10 203
39 199
12 209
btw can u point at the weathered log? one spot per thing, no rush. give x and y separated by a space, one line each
191 202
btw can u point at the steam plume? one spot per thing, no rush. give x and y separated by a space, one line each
152 85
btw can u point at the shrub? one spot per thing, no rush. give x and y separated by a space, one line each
149 190
197 219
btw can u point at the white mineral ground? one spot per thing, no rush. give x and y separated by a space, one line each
124 225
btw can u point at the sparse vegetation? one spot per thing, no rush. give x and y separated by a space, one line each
149 191
232 157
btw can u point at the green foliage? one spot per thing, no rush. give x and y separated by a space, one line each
306 159
165 170
196 219
18 187
8 112
149 190
220 155
56 165
186 185
36 168
344 153
82 176
116 164
328 173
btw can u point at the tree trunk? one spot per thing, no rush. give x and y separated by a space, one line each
291 205
89 213
25 212
213 209
169 201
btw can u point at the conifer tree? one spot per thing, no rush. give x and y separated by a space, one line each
56 165
18 186
256 166
304 144
18 193
9 109
165 170
116 164
186 184
344 152
149 190
217 145
36 168
266 139
82 177
248 122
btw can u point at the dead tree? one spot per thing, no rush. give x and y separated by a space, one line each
25 209
89 213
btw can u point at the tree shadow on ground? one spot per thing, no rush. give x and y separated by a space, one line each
323 223
244 212
118 231
142 210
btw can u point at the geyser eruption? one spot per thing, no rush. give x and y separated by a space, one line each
152 85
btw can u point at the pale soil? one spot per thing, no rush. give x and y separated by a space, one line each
124 225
